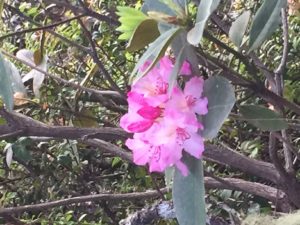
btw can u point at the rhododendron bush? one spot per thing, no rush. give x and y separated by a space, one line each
171 109
164 122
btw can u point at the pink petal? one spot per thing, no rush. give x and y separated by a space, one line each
177 102
170 153
194 87
200 106
155 166
183 168
140 126
145 65
165 68
149 112
194 146
140 151
185 69
124 121
135 99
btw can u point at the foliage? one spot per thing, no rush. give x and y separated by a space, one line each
64 94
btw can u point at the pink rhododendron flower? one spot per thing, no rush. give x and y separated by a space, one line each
164 124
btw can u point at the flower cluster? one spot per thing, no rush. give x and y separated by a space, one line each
164 122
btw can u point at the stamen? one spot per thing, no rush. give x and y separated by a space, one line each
182 135
190 100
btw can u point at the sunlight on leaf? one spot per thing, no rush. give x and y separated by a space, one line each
265 22
238 28
205 8
130 18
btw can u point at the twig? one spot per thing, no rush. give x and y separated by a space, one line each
288 144
225 29
280 86
274 157
285 29
87 11
108 147
96 59
62 38
40 28
105 102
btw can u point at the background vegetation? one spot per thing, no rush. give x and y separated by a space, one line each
63 153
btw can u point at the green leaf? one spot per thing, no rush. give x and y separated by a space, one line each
154 52
263 118
265 22
2 121
178 6
6 90
158 6
20 151
205 8
130 18
220 95
189 193
1 6
65 160
9 154
176 69
188 51
238 28
85 119
81 218
115 161
145 33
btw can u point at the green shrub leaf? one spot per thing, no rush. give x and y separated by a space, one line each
220 95
205 8
130 18
157 6
265 22
238 28
145 33
263 118
189 193
6 89
154 52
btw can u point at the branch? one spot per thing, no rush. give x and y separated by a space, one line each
20 125
288 182
279 73
227 156
165 209
285 28
111 148
91 136
113 197
85 10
